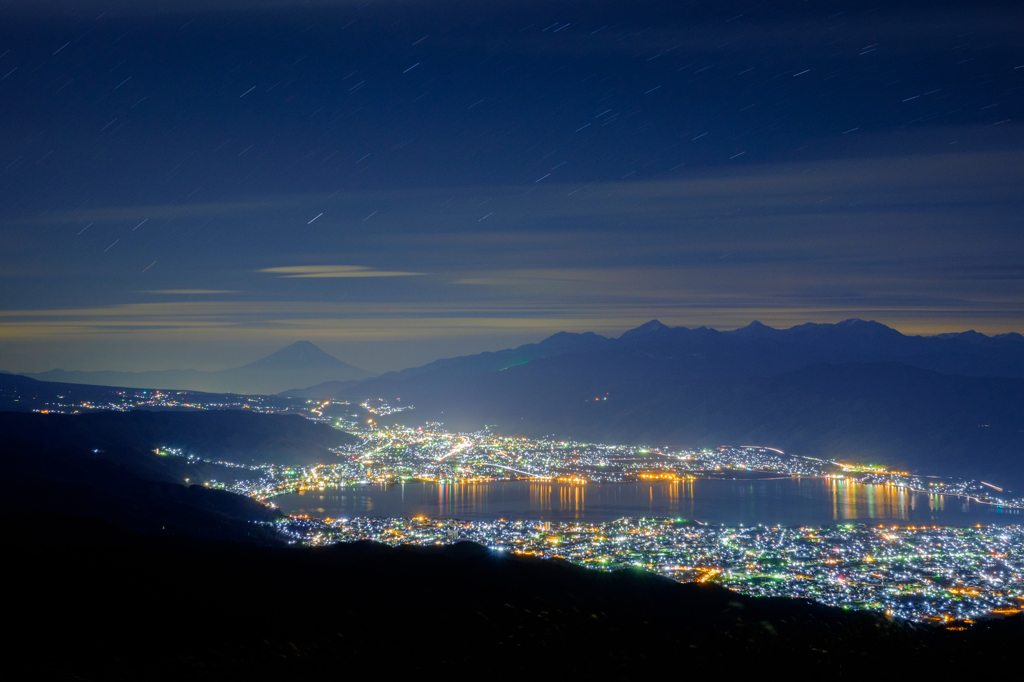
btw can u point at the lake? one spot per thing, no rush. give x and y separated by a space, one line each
781 501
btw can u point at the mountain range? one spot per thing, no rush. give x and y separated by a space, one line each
951 404
756 349
855 390
298 364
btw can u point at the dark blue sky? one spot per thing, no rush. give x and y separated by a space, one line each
195 184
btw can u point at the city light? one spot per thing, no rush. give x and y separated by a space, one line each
948 576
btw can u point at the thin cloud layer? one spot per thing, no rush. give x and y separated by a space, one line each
333 271
189 292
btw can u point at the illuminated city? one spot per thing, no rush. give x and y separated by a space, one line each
925 574
391 454
386 455
942 575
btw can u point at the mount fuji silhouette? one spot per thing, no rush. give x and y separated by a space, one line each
299 364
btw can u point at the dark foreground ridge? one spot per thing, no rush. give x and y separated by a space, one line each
233 435
109 605
103 466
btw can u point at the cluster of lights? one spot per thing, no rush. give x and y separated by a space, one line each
396 454
125 401
381 407
926 574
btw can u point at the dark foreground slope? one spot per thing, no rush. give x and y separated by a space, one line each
112 606
229 435
133 491
102 466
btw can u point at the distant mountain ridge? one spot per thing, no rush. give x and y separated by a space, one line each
950 404
754 350
298 364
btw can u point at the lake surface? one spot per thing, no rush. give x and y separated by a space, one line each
782 501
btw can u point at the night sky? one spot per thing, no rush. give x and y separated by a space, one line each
197 184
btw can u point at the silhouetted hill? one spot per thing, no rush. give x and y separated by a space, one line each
853 390
197 610
102 466
299 364
101 491
754 350
19 393
233 435
48 466
449 371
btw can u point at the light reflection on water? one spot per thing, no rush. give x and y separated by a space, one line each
785 501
